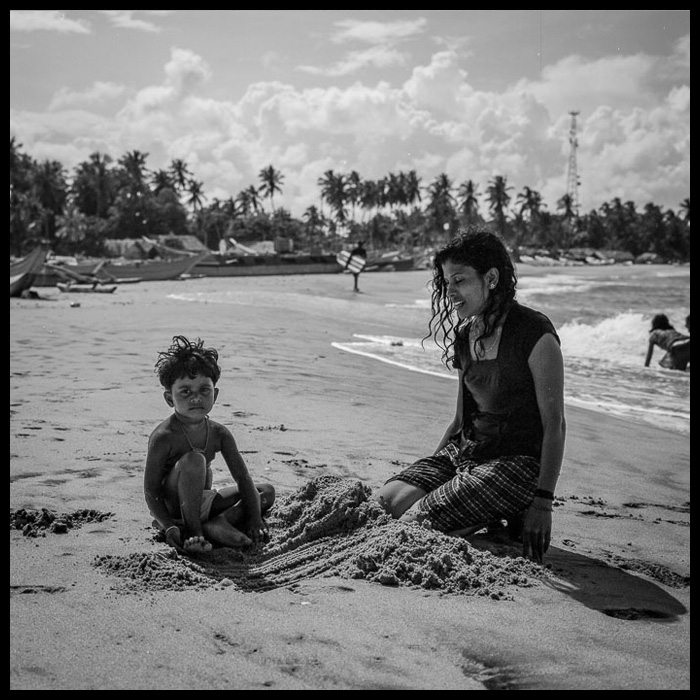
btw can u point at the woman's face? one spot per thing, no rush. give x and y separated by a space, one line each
467 290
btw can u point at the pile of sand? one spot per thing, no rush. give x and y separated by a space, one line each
330 527
36 523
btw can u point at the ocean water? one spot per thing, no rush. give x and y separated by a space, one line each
602 314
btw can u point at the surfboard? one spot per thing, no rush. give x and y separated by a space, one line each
352 263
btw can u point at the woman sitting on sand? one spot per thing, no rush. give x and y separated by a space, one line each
675 344
501 455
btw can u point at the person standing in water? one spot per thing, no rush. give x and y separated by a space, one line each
675 344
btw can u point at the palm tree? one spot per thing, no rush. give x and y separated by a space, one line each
333 191
196 194
498 199
271 180
620 223
49 191
20 168
411 188
441 208
162 180
313 225
530 202
565 205
468 201
370 196
395 191
326 183
249 200
685 209
354 190
180 174
230 208
72 227
21 216
134 165
94 187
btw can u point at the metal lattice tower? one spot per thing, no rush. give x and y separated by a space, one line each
572 182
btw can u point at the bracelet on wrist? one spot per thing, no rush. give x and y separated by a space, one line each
168 529
542 493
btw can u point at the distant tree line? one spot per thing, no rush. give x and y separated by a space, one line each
103 199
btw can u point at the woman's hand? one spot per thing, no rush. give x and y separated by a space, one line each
537 531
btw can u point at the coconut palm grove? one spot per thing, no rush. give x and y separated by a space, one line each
76 213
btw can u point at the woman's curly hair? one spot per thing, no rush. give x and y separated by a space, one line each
185 358
481 250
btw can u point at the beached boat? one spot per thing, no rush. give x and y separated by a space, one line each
390 262
53 274
80 288
23 273
278 264
122 272
150 270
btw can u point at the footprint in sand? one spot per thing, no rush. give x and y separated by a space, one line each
35 588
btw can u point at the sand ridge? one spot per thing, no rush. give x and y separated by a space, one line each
36 523
331 527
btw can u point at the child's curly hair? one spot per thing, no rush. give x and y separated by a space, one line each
185 358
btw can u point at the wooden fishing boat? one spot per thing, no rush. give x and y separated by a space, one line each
94 288
149 270
278 264
23 273
390 262
126 271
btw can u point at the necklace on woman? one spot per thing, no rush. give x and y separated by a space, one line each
480 351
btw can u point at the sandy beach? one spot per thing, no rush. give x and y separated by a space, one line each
339 599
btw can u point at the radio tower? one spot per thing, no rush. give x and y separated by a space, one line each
572 179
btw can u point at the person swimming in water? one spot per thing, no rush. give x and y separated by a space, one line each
675 344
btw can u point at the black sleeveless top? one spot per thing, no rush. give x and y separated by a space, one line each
500 411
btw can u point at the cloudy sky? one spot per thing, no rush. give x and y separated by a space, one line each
468 93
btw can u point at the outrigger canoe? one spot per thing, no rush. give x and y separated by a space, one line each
23 272
95 287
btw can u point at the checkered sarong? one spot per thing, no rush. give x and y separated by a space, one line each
463 491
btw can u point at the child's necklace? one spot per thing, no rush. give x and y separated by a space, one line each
187 437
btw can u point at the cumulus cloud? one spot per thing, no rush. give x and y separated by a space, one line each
46 20
98 94
353 61
135 19
377 32
633 127
382 37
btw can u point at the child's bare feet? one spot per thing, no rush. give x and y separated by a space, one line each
197 545
219 530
